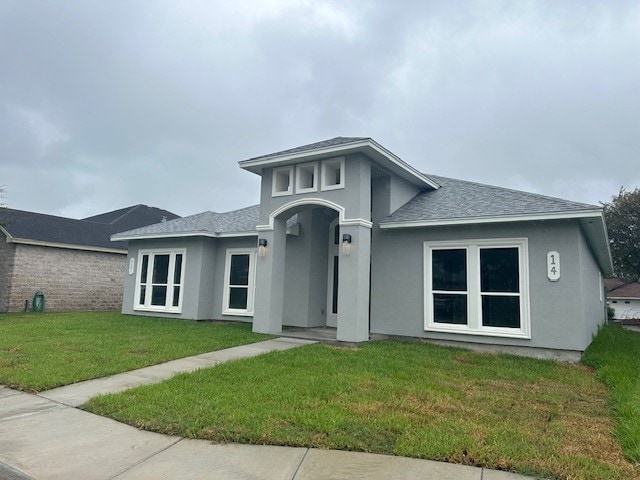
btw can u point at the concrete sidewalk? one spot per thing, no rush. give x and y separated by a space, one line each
43 437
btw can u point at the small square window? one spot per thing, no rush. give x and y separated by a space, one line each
282 181
333 174
307 178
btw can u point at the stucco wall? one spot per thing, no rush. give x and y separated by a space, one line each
559 310
69 279
305 283
7 251
354 197
593 305
203 285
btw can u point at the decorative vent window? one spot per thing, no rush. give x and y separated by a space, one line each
159 280
307 178
479 287
332 174
239 282
282 181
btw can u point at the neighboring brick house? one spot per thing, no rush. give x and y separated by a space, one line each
71 261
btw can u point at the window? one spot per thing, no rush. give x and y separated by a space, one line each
479 287
159 281
307 178
282 181
239 282
332 174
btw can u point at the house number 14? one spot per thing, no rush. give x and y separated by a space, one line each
553 266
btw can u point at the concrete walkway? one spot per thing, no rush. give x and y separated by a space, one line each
44 437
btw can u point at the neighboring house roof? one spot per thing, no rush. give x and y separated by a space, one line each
93 233
133 217
341 146
628 291
612 284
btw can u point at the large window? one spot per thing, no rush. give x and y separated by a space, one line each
239 282
477 287
159 280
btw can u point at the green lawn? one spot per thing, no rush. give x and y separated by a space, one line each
403 398
43 351
615 354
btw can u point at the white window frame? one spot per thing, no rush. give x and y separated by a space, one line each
474 294
274 175
325 165
168 307
306 166
248 312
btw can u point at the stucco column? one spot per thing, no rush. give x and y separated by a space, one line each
268 303
353 286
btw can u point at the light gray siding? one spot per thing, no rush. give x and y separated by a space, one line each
558 310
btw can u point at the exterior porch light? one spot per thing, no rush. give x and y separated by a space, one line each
262 247
346 244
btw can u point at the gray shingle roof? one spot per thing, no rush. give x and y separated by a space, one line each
94 231
237 221
459 199
133 217
313 146
456 199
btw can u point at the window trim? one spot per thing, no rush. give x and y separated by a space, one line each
304 166
474 290
340 161
248 312
147 307
275 172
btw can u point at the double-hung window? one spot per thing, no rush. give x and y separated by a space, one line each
239 282
477 287
160 279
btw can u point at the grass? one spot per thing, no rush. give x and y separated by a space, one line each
615 354
402 398
43 351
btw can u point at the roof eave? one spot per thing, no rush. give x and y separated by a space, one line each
69 246
591 221
369 146
152 236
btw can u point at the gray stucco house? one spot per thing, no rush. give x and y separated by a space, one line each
349 236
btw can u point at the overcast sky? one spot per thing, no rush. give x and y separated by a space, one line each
105 104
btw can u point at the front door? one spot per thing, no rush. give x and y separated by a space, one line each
332 274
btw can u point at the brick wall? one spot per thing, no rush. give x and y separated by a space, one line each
69 279
6 267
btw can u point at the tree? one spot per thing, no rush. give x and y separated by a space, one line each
622 215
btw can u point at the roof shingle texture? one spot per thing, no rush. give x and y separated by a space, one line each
237 221
629 290
94 231
333 142
459 199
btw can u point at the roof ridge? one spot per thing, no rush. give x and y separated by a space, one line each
131 209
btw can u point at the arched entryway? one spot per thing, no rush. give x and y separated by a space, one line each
306 279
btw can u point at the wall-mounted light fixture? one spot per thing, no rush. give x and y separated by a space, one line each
346 244
262 247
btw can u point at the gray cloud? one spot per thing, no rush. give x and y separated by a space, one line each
106 104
